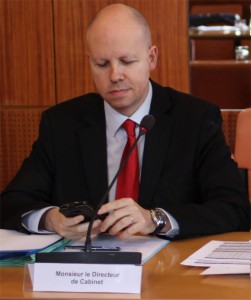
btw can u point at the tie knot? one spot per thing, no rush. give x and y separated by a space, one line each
129 127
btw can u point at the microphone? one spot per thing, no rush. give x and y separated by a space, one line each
145 125
99 255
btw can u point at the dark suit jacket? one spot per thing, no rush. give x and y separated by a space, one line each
187 169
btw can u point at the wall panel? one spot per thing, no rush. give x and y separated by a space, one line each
26 53
19 129
27 77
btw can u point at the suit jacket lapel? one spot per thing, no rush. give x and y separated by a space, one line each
92 138
156 145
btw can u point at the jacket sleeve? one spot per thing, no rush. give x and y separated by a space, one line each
222 204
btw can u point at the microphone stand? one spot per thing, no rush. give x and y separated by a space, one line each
88 242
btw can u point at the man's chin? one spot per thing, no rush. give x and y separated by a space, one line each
118 102
122 108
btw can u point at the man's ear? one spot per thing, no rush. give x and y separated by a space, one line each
153 57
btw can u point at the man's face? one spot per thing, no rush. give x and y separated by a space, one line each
121 61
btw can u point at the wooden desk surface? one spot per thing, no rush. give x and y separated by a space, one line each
163 277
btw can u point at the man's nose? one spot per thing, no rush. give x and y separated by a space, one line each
116 73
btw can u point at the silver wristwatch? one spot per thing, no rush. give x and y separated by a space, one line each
159 219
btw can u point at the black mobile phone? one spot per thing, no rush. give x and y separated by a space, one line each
77 208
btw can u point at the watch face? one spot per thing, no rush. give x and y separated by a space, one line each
160 215
159 219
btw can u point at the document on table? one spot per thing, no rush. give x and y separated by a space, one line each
14 243
222 257
147 245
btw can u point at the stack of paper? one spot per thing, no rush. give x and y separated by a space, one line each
16 248
147 245
222 258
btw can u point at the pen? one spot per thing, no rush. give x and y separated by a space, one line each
95 248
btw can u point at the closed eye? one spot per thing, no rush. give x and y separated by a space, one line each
102 65
128 62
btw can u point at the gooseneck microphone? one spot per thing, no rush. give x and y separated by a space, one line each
145 125
97 256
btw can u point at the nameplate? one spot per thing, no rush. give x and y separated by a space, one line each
66 277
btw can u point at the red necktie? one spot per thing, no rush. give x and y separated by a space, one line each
128 180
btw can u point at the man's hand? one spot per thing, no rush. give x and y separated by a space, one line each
70 228
126 218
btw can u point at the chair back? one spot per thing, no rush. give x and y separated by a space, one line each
242 154
229 117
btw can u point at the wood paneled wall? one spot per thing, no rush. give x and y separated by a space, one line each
27 66
43 60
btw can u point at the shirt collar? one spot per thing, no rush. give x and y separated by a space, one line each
114 119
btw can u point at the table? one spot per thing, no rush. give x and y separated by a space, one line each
163 277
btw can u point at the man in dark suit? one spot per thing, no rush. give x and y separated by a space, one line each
189 185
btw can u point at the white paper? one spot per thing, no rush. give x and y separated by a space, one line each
225 29
217 28
14 241
86 278
147 245
226 269
218 256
